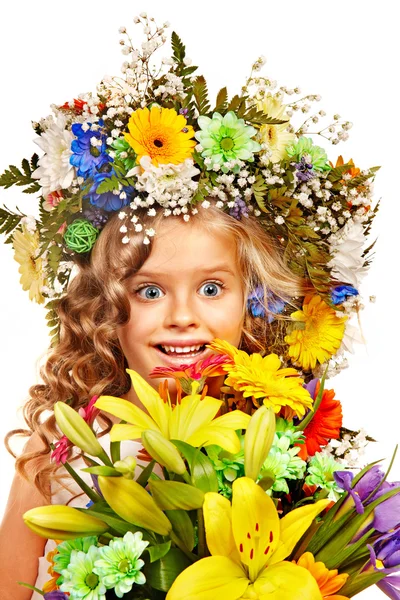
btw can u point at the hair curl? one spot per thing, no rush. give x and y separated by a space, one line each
88 359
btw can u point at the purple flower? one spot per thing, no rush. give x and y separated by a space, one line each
385 552
240 209
341 292
256 304
108 201
304 170
390 586
57 595
363 488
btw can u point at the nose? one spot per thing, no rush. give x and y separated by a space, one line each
181 313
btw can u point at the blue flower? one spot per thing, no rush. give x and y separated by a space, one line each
85 157
256 304
341 292
109 201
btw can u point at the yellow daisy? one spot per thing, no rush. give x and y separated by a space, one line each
261 377
320 336
275 136
161 134
26 245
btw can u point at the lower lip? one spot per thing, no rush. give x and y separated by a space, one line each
180 359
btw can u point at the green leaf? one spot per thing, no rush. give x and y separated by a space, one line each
178 49
234 103
9 220
108 185
115 451
103 470
258 117
200 93
201 468
145 474
162 573
259 188
14 176
182 526
158 551
221 102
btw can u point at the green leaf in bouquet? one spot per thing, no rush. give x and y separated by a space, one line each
158 551
14 176
103 470
178 48
91 493
162 573
9 221
145 474
200 93
355 585
173 495
119 527
182 526
221 102
115 451
201 468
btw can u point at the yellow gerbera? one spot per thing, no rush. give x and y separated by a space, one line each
248 545
262 377
329 582
277 137
161 134
320 336
26 245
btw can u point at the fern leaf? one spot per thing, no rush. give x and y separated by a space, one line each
178 49
234 103
14 176
259 188
200 93
221 102
9 220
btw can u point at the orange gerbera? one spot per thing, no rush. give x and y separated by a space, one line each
329 581
51 585
161 134
324 426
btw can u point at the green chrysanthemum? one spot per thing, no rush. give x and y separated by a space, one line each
118 564
315 154
320 473
62 558
286 429
282 463
226 138
228 467
80 580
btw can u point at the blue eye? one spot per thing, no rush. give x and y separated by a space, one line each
211 289
150 292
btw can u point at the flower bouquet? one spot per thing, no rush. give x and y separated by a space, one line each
231 503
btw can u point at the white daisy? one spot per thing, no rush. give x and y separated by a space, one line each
347 263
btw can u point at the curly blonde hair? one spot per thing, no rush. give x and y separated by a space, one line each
88 359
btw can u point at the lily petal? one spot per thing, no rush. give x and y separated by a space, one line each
221 436
286 581
151 400
235 419
121 432
126 411
255 524
192 414
218 523
293 525
210 578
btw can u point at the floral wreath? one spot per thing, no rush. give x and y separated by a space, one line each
153 140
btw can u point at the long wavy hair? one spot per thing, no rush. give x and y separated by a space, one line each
88 359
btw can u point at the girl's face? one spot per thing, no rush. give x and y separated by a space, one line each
187 292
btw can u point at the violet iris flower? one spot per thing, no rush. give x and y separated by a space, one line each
364 486
56 595
385 552
390 586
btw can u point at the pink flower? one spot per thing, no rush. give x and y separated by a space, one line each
208 367
52 200
89 412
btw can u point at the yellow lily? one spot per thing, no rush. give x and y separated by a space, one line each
248 543
190 420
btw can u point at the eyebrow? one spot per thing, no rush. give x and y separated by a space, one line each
218 268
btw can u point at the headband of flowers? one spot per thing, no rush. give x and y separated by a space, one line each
153 141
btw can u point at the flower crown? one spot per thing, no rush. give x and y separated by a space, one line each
151 141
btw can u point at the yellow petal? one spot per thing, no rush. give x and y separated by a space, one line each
255 524
218 523
126 411
194 413
293 525
286 581
151 400
221 436
210 578
122 432
236 419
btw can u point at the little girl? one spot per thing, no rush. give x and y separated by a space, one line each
138 306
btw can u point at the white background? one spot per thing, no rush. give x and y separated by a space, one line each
347 52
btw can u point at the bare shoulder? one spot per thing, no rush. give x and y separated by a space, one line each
21 563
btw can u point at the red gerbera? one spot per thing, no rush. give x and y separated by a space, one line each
324 426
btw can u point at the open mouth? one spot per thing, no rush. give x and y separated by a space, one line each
182 353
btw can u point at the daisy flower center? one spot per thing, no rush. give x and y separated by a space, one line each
91 581
227 143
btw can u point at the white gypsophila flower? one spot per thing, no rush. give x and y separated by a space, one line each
30 223
347 264
55 171
163 182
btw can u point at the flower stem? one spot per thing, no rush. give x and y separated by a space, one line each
202 546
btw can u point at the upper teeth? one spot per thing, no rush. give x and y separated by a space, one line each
181 349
